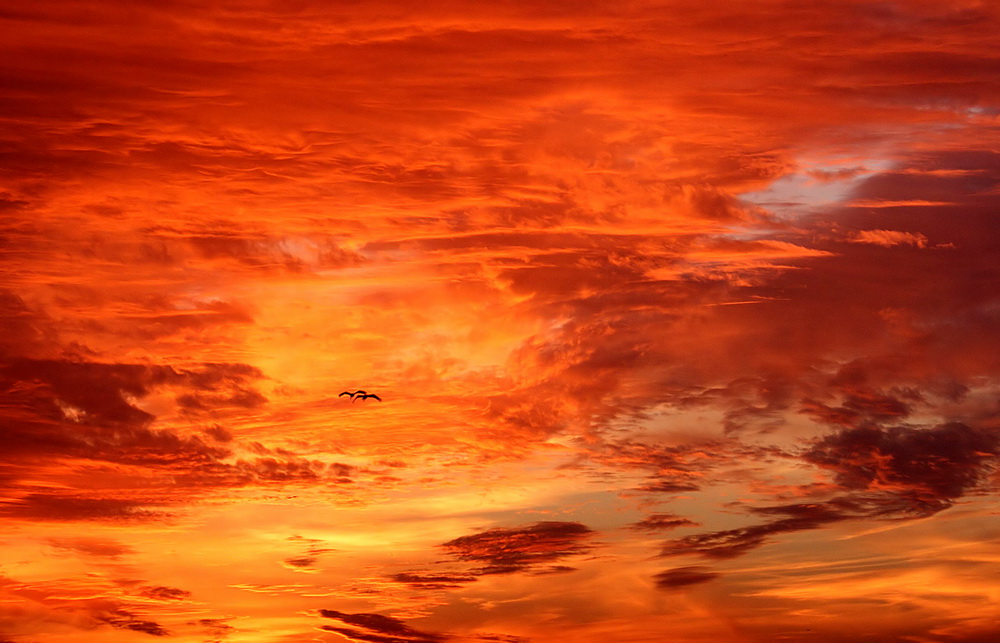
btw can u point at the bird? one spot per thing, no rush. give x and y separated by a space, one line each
359 392
365 396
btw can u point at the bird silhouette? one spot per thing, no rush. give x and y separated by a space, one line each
359 392
365 396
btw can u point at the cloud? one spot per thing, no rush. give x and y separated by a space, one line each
100 391
516 549
83 604
890 473
377 628
683 577
218 628
161 593
731 543
889 238
895 473
574 256
938 464
65 507
122 619
219 433
434 581
306 562
858 407
662 522
91 415
531 549
665 486
300 564
673 469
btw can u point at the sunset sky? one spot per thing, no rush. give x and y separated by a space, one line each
685 318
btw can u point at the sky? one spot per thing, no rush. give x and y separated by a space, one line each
684 318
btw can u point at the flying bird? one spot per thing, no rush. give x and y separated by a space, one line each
359 395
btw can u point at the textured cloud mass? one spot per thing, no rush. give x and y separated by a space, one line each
934 464
376 628
684 317
517 549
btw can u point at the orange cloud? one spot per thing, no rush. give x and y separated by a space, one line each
536 231
890 238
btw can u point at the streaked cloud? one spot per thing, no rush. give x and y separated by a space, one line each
890 238
377 628
517 549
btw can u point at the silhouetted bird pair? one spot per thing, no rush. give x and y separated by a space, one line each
359 395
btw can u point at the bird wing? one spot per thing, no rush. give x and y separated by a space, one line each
346 393
375 396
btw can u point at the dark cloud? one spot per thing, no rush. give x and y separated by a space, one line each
730 543
515 549
377 628
124 620
662 522
306 562
666 486
98 393
419 580
89 413
97 390
64 507
684 576
219 433
300 563
939 464
923 488
44 426
530 549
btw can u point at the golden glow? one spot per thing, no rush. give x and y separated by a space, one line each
683 316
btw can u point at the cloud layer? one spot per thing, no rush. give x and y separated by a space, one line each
668 298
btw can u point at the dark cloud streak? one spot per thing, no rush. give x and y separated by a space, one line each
509 550
377 628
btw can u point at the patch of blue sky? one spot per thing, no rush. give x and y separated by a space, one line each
816 185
